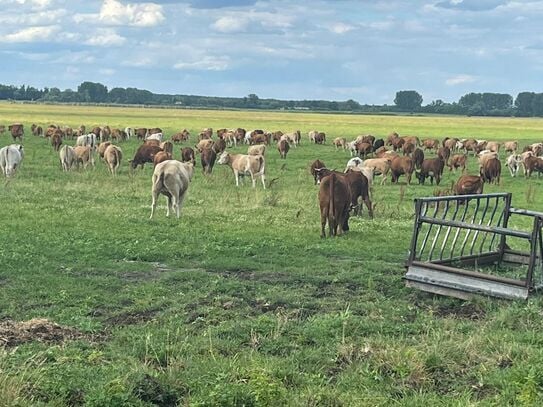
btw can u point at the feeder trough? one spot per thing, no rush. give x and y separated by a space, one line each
475 245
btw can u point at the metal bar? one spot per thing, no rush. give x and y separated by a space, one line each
489 224
533 250
475 274
482 259
423 246
436 237
492 229
525 212
447 233
468 233
414 238
458 229
476 234
506 214
494 235
463 197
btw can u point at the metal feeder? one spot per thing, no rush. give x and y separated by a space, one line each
464 245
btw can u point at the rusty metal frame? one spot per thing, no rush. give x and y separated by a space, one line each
472 231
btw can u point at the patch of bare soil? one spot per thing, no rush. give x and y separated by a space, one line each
133 317
460 310
13 333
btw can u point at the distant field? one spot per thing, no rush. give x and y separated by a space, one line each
240 302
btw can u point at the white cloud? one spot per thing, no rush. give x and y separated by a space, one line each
230 24
460 80
31 34
40 18
340 28
106 71
207 63
106 38
142 15
38 4
241 21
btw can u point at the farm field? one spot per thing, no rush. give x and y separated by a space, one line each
240 302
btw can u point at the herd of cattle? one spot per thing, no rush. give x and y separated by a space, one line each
339 192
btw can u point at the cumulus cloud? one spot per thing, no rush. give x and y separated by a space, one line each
143 15
340 28
31 34
207 63
105 38
230 24
459 80
38 18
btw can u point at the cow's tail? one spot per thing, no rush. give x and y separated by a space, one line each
158 181
262 164
331 212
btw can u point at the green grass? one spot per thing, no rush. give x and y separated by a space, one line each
240 302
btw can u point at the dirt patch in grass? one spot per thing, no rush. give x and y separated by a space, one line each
268 277
13 333
133 317
460 310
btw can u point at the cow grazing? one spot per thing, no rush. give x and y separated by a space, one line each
36 130
493 146
397 143
408 149
311 135
430 144
183 135
206 133
484 156
96 131
358 185
253 165
292 138
363 149
444 153
532 164
155 136
204 144
491 171
418 157
340 142
67 157
451 144
257 150
17 131
412 139
141 133
315 165
101 149
400 166
510 146
154 130
84 156
171 178
391 137
207 159
334 202
283 147
433 168
219 146
187 155
379 166
10 159
86 140
378 144
105 133
356 164
56 141
144 154
167 146
119 135
113 156
468 185
513 162
320 138
458 161
160 157
130 133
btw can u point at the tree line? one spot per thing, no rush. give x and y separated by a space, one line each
526 104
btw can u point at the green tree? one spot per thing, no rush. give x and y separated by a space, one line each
92 92
409 100
524 104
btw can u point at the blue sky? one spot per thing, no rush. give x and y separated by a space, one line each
297 49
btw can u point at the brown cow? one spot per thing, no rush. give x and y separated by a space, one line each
458 161
183 135
363 148
219 146
400 166
315 165
368 138
431 167
161 156
334 202
187 155
471 145
56 140
283 146
206 134
510 146
430 144
491 171
204 144
144 154
113 156
397 143
468 184
340 142
141 133
36 130
408 148
444 153
84 156
358 184
154 130
418 157
391 137
207 159
451 143
17 131
167 146
532 164
412 139
102 148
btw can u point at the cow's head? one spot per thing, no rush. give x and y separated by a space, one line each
224 158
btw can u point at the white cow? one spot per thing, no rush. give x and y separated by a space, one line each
155 136
171 178
129 132
513 162
68 158
86 140
10 159
356 164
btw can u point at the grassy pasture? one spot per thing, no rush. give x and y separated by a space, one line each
240 302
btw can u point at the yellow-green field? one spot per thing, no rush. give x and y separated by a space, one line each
240 302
